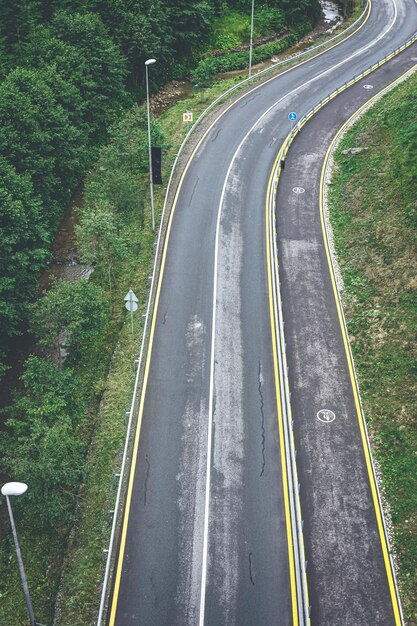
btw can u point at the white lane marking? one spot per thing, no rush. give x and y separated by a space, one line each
210 424
326 416
213 328
298 189
368 86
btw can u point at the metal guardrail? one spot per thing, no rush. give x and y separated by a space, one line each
291 464
145 337
304 119
290 450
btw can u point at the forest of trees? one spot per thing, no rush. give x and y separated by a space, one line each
68 68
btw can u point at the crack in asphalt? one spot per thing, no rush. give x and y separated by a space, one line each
247 100
216 135
155 597
260 381
146 479
251 576
193 191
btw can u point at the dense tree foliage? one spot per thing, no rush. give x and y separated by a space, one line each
45 436
78 49
41 441
73 313
24 244
38 138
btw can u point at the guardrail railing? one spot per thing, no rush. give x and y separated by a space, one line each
285 399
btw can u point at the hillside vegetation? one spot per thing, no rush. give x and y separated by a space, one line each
68 69
374 218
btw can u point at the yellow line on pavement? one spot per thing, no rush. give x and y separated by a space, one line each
384 544
290 538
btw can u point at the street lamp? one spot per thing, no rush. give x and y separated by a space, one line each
17 489
147 63
251 38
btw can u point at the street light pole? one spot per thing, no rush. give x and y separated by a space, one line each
147 63
251 38
17 489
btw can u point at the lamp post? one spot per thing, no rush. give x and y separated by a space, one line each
18 489
147 63
251 38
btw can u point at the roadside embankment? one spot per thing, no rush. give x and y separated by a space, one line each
373 213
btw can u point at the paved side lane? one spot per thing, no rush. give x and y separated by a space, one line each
349 575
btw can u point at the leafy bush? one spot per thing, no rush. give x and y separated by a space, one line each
75 311
41 442
268 20
100 243
208 67
230 30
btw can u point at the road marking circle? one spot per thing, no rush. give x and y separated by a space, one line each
298 189
326 416
368 86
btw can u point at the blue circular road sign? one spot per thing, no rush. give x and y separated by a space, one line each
292 116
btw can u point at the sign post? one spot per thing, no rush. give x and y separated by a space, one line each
131 304
292 117
188 119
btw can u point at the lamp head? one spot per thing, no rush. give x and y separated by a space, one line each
150 61
13 489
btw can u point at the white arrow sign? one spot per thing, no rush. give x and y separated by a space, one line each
131 301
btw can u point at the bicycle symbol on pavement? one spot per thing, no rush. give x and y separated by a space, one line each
326 416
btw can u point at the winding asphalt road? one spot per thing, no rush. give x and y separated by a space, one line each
206 537
347 561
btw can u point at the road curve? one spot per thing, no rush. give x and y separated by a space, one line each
346 549
209 414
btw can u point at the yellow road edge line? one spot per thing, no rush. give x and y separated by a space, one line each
354 383
279 409
115 595
289 408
